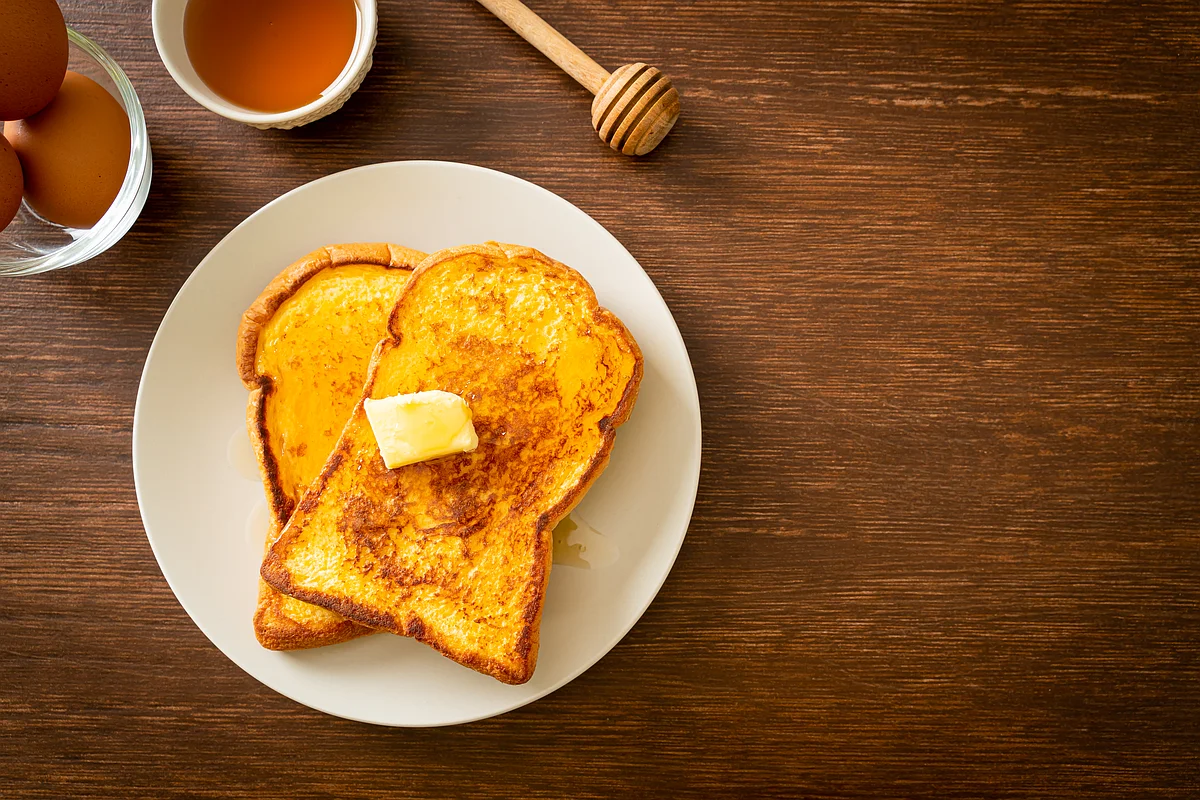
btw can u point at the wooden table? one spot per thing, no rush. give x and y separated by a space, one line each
937 269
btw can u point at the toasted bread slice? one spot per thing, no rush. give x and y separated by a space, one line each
456 551
303 351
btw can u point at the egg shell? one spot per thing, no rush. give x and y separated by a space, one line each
11 183
74 153
33 56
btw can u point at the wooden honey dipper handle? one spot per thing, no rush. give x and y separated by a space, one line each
553 44
635 107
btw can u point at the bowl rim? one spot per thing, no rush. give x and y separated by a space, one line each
173 56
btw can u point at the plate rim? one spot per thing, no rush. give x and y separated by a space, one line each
694 402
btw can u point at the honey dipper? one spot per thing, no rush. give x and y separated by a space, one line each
635 107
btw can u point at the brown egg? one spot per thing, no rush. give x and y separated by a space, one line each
11 183
33 55
74 153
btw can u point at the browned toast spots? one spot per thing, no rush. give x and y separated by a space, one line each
456 551
303 351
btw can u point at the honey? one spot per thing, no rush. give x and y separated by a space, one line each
269 55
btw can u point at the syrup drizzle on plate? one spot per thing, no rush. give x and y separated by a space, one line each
258 522
240 454
578 544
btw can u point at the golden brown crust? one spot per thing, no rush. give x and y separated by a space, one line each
276 631
276 573
288 282
278 504
274 628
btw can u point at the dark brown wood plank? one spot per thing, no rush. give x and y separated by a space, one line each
936 267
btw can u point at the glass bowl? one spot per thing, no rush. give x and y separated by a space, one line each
31 244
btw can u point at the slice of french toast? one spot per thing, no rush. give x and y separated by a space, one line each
303 351
456 551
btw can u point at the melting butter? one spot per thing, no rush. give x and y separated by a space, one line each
420 426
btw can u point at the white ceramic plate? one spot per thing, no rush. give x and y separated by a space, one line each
203 506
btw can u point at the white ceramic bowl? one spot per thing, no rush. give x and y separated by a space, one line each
167 21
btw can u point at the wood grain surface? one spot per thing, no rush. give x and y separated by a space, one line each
936 265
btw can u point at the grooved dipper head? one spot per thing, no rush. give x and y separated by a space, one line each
635 109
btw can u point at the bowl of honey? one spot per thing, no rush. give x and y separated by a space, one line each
267 63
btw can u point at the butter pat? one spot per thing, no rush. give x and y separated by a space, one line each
417 427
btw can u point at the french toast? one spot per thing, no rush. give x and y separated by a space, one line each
303 351
456 551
